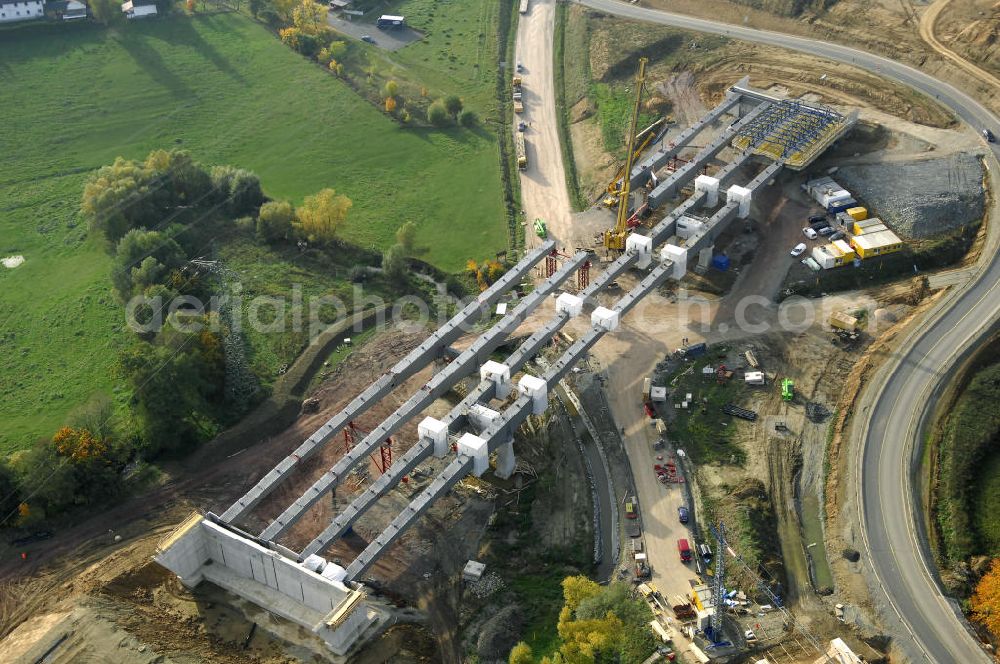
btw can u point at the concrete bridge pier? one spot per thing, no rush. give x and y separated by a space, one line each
505 459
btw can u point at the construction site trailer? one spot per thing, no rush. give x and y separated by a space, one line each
867 225
876 244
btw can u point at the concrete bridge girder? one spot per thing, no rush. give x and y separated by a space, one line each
444 380
402 370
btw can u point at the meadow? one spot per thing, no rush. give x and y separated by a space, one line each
75 97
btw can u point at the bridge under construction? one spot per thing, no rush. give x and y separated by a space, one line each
328 598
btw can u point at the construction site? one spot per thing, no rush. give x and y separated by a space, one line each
642 398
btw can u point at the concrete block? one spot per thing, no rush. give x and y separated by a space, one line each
642 246
569 304
678 256
499 374
742 196
334 572
606 318
538 390
473 571
314 563
477 448
710 187
482 417
437 431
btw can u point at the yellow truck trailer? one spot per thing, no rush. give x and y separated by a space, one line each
520 150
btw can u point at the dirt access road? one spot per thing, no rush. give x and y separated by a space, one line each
543 182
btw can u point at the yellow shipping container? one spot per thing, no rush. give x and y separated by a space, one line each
858 213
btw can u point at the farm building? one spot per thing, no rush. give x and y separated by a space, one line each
21 10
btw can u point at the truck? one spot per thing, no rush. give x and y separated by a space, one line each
515 83
641 567
523 9
684 549
647 385
520 150
386 21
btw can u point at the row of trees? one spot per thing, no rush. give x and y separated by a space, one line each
301 25
596 624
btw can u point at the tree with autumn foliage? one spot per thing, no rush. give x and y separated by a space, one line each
485 273
985 601
597 624
321 215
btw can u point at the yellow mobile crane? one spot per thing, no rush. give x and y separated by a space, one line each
614 238
644 138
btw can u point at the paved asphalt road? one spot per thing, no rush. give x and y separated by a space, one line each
933 629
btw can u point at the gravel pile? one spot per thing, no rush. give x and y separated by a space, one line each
487 584
920 199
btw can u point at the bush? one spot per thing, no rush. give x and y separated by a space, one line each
239 190
274 221
358 274
453 104
468 118
437 114
394 263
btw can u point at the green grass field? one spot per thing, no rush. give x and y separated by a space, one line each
75 97
987 505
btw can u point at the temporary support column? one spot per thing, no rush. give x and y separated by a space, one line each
408 366
642 247
442 381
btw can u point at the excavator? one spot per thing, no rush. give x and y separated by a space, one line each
644 138
614 238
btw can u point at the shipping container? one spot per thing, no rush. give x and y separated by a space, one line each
841 206
843 321
857 213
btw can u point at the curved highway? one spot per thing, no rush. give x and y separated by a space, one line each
932 628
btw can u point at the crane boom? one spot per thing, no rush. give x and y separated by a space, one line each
614 239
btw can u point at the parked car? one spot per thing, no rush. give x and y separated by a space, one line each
988 135
809 233
750 636
839 235
368 38
826 230
798 249
521 126
817 217
683 514
520 68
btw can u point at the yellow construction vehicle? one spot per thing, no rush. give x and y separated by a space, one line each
644 138
614 238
